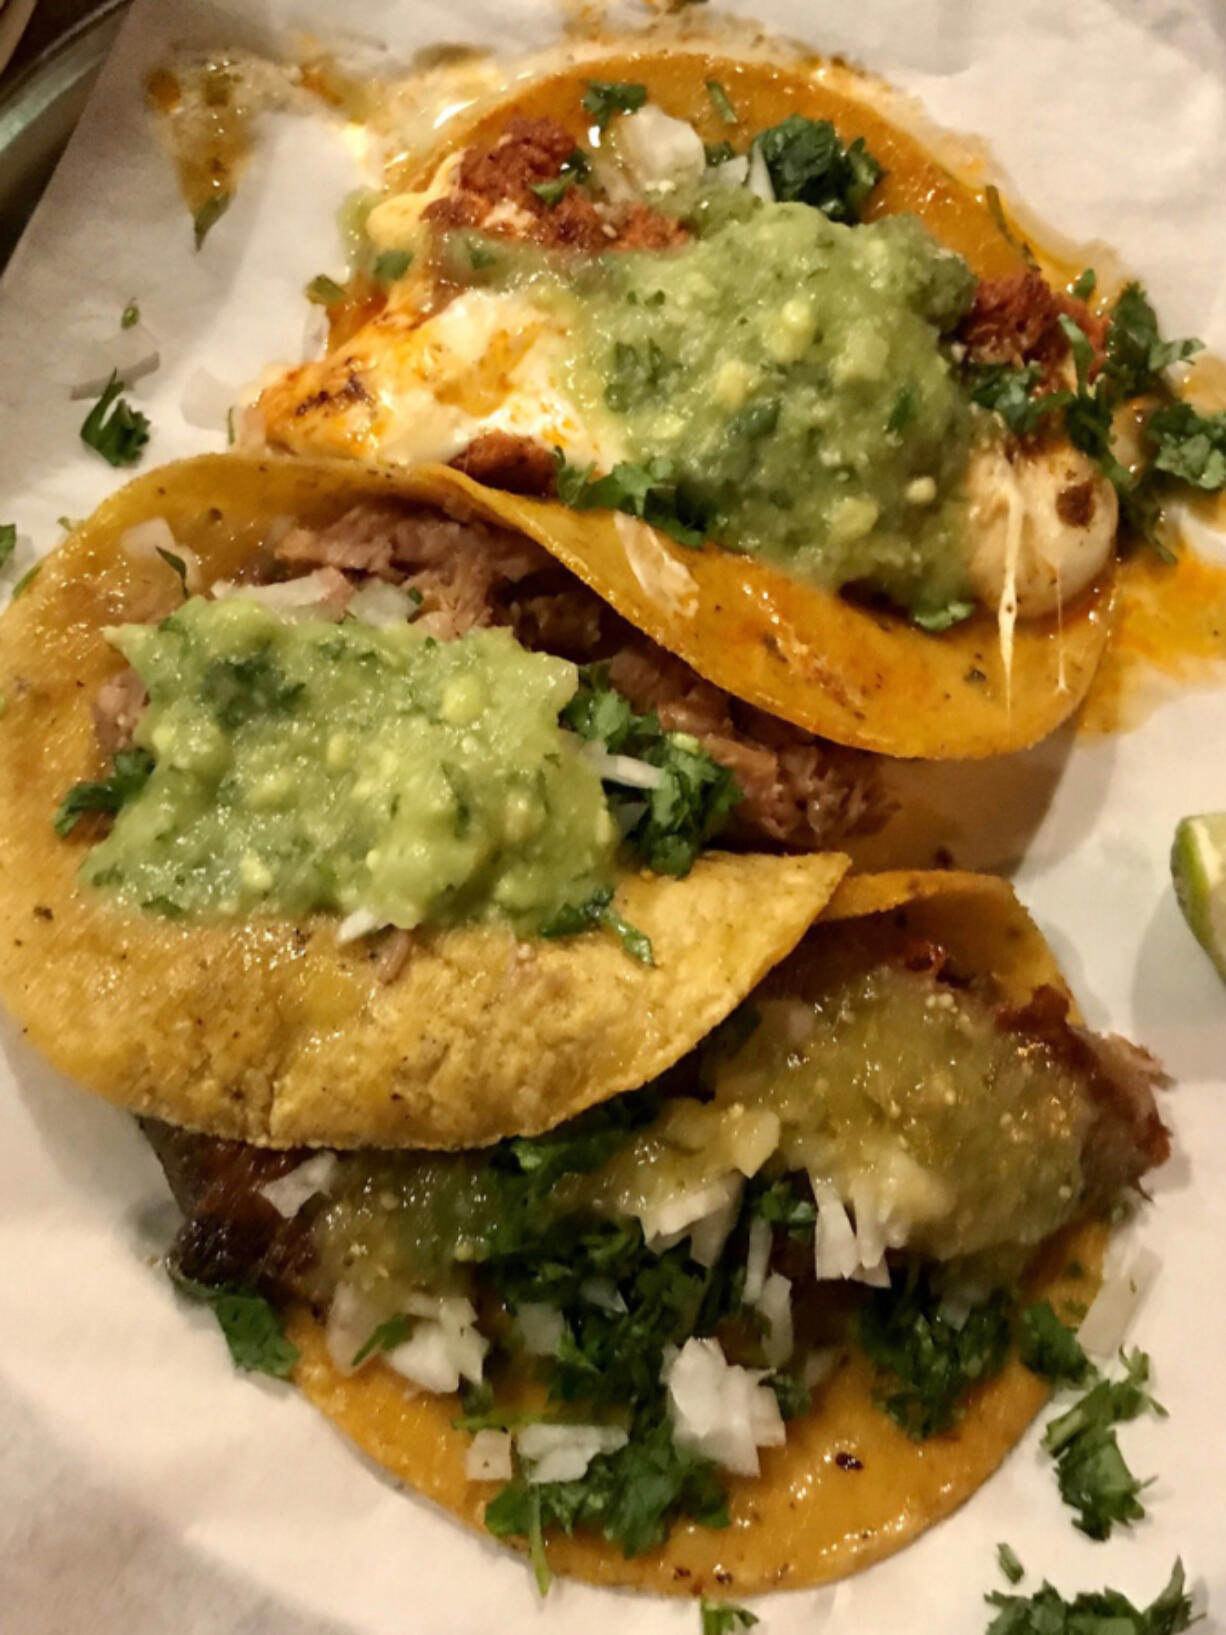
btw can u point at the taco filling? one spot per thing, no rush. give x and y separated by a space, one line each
732 341
855 1172
387 721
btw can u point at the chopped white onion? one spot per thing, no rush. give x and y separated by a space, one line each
207 400
757 1259
623 768
834 1240
444 1347
775 1305
352 1319
658 151
324 594
719 1409
603 1293
381 605
758 181
129 354
540 1328
562 1453
289 1192
144 540
706 1215
1106 1324
358 924
488 1458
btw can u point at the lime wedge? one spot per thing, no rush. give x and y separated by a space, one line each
1198 868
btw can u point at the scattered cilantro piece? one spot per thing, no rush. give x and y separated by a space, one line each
1010 392
604 98
120 438
129 776
208 215
1009 1564
253 1330
395 1331
69 524
1096 1612
390 265
718 153
8 541
577 164
723 1618
722 102
936 619
1137 355
175 562
597 912
551 193
997 212
1084 285
792 1395
808 163
479 257
644 491
1094 1478
782 1204
929 1365
26 580
669 825
324 291
237 690
1189 445
1049 1347
903 411
130 316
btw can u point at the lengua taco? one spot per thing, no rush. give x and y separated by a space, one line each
755 1325
690 299
313 831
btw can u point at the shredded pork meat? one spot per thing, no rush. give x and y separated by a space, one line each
1016 320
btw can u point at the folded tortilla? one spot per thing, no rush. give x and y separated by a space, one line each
265 1029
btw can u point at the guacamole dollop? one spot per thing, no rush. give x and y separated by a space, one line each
308 766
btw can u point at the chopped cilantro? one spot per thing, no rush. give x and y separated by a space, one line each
479 257
1100 1612
721 102
782 1204
253 1330
669 825
390 265
936 619
324 291
26 580
1049 1347
238 690
208 215
723 1618
1009 1564
792 1395
1093 1475
577 164
1010 392
8 541
1084 285
604 98
928 1365
395 1331
595 912
550 193
1137 355
68 524
175 562
120 438
1189 445
903 411
808 163
644 491
717 153
997 212
130 316
130 774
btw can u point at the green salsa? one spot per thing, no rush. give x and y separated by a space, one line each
307 765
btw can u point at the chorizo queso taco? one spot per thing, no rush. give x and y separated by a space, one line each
313 829
754 1325
770 380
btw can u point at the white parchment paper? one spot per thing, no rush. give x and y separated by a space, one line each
146 1487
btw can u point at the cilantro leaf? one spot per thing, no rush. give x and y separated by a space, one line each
130 774
1136 353
323 291
722 102
1093 1476
26 580
669 825
1084 285
8 541
176 563
808 163
208 215
1096 1612
782 1204
238 690
1189 445
645 491
927 1364
390 265
130 316
253 1330
551 193
723 1618
1049 1347
597 912
389 1334
1009 391
604 98
120 438
1009 1564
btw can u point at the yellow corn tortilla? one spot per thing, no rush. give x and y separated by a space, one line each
865 677
807 1519
266 1030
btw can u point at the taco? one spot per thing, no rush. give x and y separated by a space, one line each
753 1326
794 399
313 831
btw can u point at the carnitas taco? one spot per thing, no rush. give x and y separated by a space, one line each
313 830
755 1325
770 380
